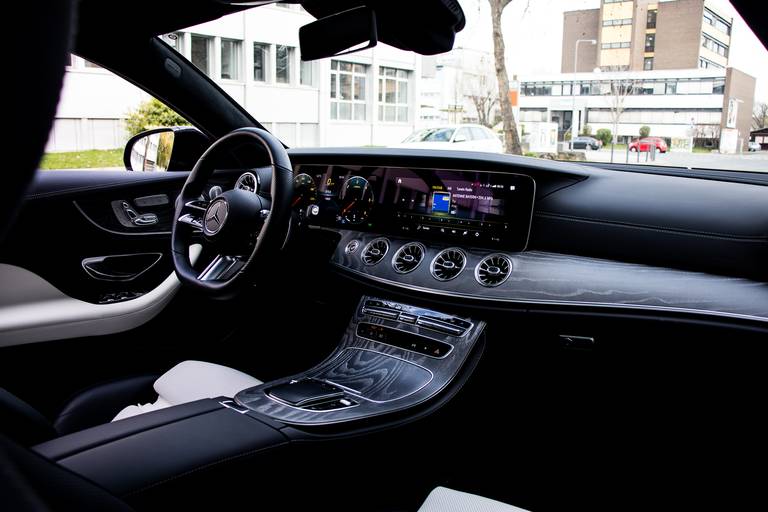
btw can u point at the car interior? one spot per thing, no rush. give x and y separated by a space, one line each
365 329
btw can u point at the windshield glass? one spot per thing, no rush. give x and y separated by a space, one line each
677 83
431 135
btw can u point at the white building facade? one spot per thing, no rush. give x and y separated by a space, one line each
675 104
367 98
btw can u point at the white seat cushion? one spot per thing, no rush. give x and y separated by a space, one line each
189 381
442 499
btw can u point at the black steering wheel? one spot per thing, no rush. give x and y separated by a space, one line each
240 227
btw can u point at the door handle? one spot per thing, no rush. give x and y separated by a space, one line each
120 267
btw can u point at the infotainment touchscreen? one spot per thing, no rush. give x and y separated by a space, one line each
464 207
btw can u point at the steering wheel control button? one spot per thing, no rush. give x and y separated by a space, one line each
352 247
313 210
215 217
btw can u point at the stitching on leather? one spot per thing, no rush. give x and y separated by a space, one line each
203 467
701 234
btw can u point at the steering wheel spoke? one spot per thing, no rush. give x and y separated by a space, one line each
192 214
222 268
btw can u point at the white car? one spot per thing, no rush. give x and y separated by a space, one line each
467 137
754 146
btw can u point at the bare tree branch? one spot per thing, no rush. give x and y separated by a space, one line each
760 116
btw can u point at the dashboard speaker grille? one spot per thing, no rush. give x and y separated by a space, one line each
448 264
408 257
375 251
493 270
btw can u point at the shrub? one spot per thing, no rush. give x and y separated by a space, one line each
604 135
586 130
152 114
645 131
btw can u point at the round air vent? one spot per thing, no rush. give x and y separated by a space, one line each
248 182
493 270
375 251
408 257
448 264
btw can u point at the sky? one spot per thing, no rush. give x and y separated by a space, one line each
533 37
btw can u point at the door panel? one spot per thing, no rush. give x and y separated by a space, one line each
76 226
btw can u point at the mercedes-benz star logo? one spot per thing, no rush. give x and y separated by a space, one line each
215 217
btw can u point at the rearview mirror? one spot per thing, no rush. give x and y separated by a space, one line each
339 34
165 149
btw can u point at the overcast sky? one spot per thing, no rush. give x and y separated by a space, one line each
533 37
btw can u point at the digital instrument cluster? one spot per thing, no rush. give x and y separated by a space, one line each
477 207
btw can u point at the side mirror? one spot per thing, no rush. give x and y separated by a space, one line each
165 149
460 138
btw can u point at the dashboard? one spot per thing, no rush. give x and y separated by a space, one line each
478 208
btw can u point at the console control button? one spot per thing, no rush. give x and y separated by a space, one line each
404 340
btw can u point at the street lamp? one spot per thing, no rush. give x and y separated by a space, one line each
574 117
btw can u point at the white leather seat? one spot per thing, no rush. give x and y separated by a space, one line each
189 381
442 499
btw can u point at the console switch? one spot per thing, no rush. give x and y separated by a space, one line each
404 340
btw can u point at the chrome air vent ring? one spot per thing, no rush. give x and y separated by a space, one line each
375 251
408 257
493 270
448 264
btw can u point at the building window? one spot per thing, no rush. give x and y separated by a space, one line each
613 46
671 88
201 52
710 18
648 63
651 18
706 64
306 73
714 45
348 90
650 42
283 63
393 95
260 61
718 87
230 59
617 23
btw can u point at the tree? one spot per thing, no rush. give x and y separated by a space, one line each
604 135
760 116
511 137
152 114
586 130
484 104
645 131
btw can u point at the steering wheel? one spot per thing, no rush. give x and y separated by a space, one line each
241 227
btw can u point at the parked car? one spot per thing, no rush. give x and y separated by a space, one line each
644 145
754 146
585 142
470 137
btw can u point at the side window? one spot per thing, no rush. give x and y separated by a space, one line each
478 133
97 115
463 134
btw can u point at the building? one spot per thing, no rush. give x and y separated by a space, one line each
646 35
456 86
679 105
367 98
661 64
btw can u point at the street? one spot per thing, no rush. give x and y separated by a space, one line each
754 162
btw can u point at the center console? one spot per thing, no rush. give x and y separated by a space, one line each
392 356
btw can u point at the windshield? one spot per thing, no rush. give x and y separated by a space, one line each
431 135
665 83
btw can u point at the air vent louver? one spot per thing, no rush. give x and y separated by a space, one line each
493 270
408 257
375 251
448 264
